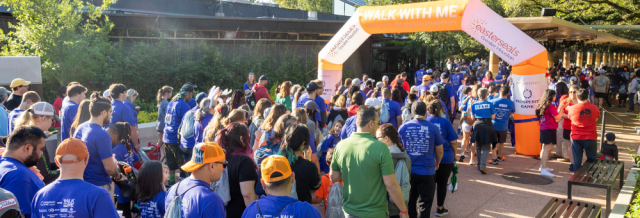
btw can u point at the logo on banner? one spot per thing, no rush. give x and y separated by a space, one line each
527 93
344 39
479 26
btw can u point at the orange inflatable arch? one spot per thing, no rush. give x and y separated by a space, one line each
528 57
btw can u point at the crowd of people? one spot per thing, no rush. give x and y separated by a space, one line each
374 149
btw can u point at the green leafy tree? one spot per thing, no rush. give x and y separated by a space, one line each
70 36
324 6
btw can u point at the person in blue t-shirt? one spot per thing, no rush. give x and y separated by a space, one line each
123 152
451 95
329 142
449 153
150 190
176 109
426 84
456 80
70 195
393 108
251 80
202 117
419 74
26 145
504 108
121 112
100 168
29 98
198 200
188 141
348 128
132 95
76 93
322 107
423 142
278 180
483 112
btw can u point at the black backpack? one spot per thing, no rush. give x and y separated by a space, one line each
615 79
443 94
251 99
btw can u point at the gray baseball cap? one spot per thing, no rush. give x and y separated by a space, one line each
8 204
4 91
45 109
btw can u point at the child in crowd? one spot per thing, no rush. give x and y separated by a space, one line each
329 142
609 150
549 117
123 151
149 192
322 194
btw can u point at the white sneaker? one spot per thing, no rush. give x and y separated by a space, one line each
549 169
545 172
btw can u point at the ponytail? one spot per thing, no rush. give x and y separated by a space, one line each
122 130
296 138
204 109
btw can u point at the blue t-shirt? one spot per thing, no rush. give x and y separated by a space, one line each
192 103
191 141
460 94
153 208
394 111
271 205
422 88
503 107
348 128
482 109
60 198
13 115
329 142
17 178
198 202
98 142
419 138
67 116
451 92
247 86
123 155
175 111
303 100
133 110
121 113
448 134
456 81
199 126
418 76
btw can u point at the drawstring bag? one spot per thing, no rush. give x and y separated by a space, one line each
174 209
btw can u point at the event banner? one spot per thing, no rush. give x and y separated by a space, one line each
498 35
345 42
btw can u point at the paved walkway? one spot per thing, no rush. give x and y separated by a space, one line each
493 196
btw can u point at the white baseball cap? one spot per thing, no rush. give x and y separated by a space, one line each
373 102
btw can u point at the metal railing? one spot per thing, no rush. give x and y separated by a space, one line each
604 124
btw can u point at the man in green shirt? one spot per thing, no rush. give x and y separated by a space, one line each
366 169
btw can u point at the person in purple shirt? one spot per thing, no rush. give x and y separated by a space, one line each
76 93
393 108
176 109
198 200
203 116
70 195
121 112
419 74
25 145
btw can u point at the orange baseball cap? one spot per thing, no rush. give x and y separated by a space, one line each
426 77
272 164
72 146
204 153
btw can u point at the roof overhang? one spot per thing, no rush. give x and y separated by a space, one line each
567 31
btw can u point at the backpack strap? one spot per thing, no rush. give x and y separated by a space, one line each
178 187
285 206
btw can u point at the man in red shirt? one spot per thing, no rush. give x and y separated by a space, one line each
583 116
261 90
405 84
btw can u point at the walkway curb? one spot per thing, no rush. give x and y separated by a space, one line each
626 195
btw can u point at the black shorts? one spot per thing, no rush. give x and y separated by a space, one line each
566 134
600 95
173 153
501 135
548 136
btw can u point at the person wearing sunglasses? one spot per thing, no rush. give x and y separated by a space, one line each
72 156
18 87
565 102
198 200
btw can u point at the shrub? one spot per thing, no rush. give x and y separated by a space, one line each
147 117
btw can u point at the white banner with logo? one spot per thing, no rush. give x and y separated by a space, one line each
527 91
